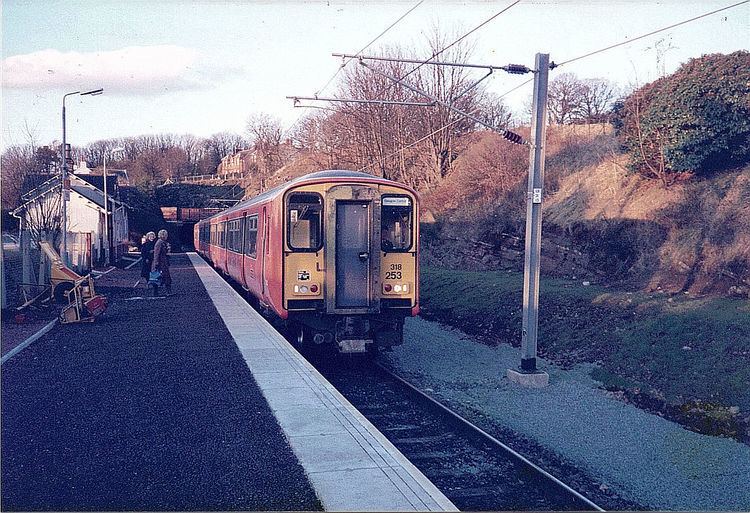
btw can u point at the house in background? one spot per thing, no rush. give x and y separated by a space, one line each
240 164
86 216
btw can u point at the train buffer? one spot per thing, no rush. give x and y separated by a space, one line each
190 402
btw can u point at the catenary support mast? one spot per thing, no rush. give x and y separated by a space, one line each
534 196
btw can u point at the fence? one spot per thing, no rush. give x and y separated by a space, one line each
25 267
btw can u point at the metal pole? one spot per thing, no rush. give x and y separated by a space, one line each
64 177
106 215
3 294
64 191
534 216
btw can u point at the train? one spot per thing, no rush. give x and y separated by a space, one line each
332 256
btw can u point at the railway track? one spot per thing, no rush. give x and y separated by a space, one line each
473 469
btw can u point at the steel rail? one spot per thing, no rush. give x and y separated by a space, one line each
491 438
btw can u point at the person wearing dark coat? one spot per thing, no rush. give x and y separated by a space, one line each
161 262
147 254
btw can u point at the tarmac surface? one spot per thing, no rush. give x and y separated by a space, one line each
149 408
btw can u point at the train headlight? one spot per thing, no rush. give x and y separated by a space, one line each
397 288
308 288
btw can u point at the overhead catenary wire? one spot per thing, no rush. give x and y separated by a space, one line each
343 65
553 65
448 125
507 134
421 63
589 54
454 43
424 62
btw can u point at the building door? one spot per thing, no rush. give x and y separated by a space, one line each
353 254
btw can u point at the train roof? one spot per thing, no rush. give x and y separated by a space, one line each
318 176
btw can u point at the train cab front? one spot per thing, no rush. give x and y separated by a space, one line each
350 263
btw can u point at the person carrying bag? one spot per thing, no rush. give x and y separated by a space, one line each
160 266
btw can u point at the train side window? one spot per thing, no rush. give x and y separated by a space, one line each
305 221
222 234
234 235
251 236
396 223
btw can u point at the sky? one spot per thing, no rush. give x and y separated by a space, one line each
202 67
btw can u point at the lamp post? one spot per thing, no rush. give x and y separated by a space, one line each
107 243
64 175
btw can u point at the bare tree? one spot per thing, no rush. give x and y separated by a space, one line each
264 132
494 111
450 85
650 149
219 146
563 98
596 97
16 163
42 217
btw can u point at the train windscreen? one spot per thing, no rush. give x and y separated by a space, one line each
396 223
305 221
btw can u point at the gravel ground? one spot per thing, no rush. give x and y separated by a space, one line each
641 457
152 407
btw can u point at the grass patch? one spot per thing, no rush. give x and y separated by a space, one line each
675 347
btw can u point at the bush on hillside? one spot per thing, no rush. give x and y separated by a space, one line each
696 120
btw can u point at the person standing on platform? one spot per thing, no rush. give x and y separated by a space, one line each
161 262
147 255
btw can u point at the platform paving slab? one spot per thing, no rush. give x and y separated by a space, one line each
351 465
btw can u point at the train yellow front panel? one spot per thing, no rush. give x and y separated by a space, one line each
398 276
304 276
304 257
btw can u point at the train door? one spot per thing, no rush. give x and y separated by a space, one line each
353 234
263 253
243 258
351 257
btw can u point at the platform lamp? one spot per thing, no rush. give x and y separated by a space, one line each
107 242
64 175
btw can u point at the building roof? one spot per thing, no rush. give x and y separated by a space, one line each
93 195
78 183
98 181
35 184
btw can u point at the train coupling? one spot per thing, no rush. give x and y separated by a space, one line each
353 335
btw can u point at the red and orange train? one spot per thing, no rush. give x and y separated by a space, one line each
333 254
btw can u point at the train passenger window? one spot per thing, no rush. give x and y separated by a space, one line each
305 221
222 234
395 223
234 235
251 236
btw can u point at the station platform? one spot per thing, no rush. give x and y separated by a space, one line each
189 402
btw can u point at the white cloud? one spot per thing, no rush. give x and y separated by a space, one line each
135 70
